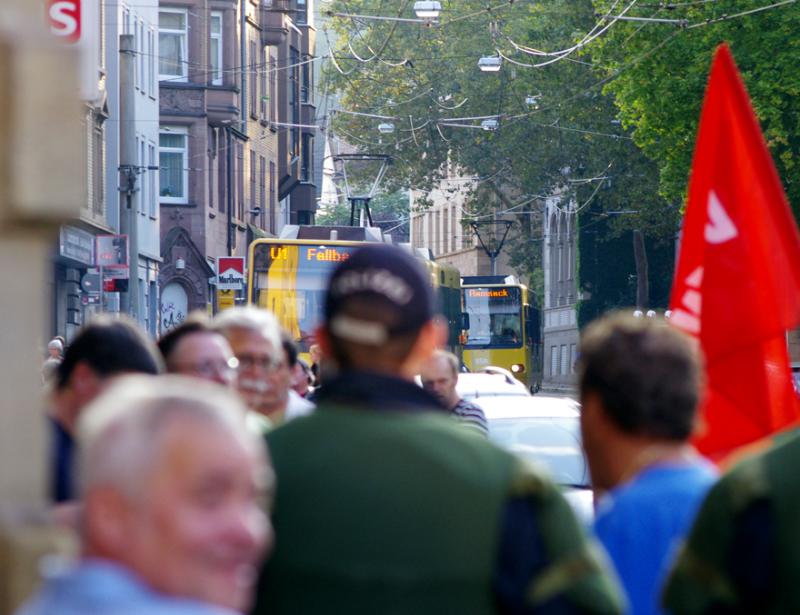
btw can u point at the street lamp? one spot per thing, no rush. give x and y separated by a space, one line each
490 64
490 124
532 100
427 9
386 128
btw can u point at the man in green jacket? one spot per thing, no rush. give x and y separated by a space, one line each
384 505
742 555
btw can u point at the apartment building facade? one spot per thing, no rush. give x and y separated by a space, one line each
230 106
442 227
560 322
75 253
138 19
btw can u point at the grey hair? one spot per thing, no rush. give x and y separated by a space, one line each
55 345
120 433
250 318
452 360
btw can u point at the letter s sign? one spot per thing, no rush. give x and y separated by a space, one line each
65 18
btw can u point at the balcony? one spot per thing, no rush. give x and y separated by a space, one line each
274 23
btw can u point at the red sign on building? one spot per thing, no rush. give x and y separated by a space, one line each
65 18
230 272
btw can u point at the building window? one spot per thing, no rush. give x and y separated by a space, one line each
137 50
174 175
273 88
172 36
142 194
215 47
252 72
252 179
263 98
140 49
564 361
152 162
308 158
272 203
151 63
305 84
240 181
294 106
302 10
262 188
573 356
98 168
553 360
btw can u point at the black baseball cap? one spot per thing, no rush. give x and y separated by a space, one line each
399 284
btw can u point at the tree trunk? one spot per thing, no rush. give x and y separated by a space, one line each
642 281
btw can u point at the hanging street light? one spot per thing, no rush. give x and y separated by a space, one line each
490 64
490 124
532 100
386 128
427 9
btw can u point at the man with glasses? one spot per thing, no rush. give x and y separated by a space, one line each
264 377
194 348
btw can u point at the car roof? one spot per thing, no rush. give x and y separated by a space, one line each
534 406
474 385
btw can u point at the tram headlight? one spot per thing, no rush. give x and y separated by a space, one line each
518 368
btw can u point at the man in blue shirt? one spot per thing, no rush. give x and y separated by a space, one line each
639 383
172 488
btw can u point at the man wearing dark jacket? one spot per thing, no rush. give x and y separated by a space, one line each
385 505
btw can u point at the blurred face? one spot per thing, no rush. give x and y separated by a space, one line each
263 382
199 531
299 379
438 378
205 355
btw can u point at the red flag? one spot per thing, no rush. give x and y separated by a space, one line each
737 283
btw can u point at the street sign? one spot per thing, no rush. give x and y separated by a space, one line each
230 272
76 244
112 251
225 299
90 282
93 299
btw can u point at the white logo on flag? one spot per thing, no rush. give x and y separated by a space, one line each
719 228
687 317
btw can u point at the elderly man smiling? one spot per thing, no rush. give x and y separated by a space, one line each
172 513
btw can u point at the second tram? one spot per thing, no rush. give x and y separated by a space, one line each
503 326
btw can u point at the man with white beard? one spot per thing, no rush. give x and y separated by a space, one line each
264 378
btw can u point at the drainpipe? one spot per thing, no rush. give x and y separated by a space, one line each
229 190
244 73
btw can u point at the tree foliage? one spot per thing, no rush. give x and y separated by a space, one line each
657 75
558 132
389 212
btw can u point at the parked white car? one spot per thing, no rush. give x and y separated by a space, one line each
473 385
545 431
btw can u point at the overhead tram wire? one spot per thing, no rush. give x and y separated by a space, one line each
616 73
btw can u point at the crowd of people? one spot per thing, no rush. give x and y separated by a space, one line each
216 473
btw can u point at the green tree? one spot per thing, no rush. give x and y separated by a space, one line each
389 212
557 130
657 75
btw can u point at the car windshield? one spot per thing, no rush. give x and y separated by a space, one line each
552 442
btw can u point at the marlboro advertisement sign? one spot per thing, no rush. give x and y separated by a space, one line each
230 273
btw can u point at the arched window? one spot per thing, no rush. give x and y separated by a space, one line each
553 254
